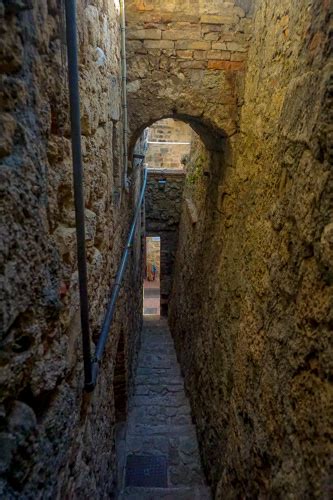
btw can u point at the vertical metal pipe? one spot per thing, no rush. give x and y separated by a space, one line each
124 89
74 100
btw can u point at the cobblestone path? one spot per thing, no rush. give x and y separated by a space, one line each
160 449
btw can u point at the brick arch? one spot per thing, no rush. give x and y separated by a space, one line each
186 59
163 208
215 140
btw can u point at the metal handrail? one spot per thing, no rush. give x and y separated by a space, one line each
108 318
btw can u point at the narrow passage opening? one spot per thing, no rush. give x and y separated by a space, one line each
151 285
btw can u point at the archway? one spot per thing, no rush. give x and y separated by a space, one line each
179 152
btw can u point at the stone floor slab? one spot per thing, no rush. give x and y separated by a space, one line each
159 421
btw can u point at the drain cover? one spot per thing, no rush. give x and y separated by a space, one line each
146 471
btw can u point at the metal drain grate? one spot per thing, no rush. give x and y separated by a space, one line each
146 471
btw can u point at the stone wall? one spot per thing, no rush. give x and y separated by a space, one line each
168 142
186 59
55 440
163 210
252 303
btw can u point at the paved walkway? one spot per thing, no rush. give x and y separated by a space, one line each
161 450
151 297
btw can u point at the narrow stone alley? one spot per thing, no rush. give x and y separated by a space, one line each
166 249
160 452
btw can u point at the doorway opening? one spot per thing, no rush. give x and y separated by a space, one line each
151 285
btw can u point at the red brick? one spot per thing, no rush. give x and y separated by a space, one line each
226 65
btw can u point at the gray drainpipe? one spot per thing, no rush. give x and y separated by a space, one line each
124 92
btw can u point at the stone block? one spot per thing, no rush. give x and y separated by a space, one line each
211 36
226 65
184 54
218 54
193 45
193 65
7 130
179 16
200 55
91 222
238 56
159 44
142 34
211 28
13 92
180 35
133 45
236 47
22 419
215 19
219 46
134 86
65 238
11 51
229 37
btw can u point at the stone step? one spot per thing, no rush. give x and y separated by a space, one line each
170 399
195 493
172 371
159 423
157 389
161 380
157 341
157 348
156 361
182 453
162 430
156 415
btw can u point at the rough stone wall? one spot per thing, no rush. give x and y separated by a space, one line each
162 211
252 303
169 130
186 59
168 142
55 440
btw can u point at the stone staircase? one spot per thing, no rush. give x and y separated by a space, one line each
159 450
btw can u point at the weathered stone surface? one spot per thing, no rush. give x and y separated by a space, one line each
146 34
7 129
252 305
152 427
179 83
163 210
168 142
50 429
252 301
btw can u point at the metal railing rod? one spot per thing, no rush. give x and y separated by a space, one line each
74 101
116 287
